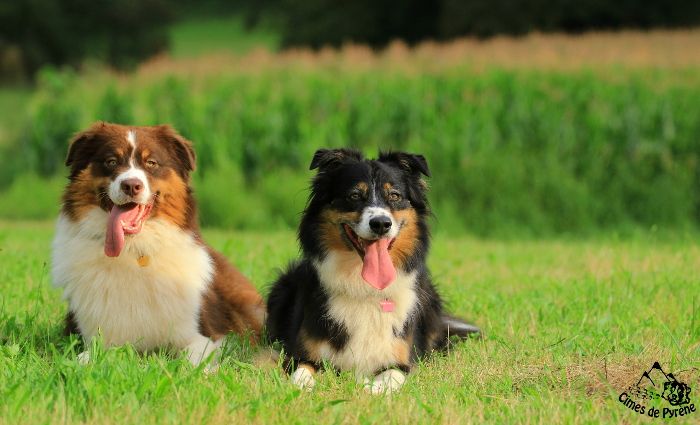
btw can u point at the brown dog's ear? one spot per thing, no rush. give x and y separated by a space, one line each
82 147
327 158
413 163
184 152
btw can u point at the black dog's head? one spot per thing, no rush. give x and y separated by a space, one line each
373 210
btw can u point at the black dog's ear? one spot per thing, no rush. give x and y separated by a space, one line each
413 163
326 158
82 147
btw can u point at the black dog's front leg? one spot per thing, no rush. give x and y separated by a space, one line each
387 381
303 373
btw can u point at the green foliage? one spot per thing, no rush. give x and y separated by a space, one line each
65 32
114 106
487 18
225 32
53 123
524 152
318 23
31 197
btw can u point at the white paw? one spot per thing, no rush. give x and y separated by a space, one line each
387 382
200 349
303 378
212 367
84 358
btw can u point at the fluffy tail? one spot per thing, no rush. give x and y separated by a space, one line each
455 328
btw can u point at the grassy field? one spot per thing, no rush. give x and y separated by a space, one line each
568 326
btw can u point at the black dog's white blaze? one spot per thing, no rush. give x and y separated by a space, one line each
321 308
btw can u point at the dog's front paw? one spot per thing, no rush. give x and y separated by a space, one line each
211 368
303 378
200 349
84 358
387 382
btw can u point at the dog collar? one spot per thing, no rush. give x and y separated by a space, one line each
387 305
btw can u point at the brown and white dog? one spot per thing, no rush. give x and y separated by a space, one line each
128 253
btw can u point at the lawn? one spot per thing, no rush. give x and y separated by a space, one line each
568 325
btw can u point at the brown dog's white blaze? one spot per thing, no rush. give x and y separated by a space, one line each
129 183
131 195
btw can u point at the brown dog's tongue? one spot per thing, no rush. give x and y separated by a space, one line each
114 239
377 268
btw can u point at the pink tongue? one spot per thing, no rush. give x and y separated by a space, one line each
114 239
377 268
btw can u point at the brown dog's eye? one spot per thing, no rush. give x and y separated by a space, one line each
111 163
354 196
151 163
394 196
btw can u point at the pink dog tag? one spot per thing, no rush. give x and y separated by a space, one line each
387 306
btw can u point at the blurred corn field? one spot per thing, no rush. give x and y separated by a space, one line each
513 151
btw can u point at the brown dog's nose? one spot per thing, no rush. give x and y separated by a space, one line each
132 187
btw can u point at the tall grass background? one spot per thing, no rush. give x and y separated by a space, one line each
526 152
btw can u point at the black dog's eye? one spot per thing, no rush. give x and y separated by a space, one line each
394 196
111 162
151 163
354 196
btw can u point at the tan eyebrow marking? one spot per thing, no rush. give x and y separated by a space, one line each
119 152
362 186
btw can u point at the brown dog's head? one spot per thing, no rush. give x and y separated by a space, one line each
133 174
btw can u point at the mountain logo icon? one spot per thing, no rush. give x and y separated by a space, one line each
655 383
644 397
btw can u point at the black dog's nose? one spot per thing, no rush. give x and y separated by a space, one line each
132 187
380 225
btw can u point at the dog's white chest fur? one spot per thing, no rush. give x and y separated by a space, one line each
372 343
150 306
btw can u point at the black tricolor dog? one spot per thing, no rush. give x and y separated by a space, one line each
361 298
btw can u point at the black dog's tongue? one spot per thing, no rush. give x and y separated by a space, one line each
377 267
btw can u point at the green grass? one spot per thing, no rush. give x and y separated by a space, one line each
568 325
227 34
